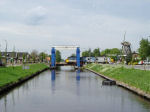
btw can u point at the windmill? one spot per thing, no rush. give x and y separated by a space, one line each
126 49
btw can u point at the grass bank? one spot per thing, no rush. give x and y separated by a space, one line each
10 75
133 77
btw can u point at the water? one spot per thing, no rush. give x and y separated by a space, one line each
67 90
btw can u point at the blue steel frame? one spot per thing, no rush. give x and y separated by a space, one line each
53 57
78 57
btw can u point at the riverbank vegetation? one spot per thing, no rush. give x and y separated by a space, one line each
9 75
133 77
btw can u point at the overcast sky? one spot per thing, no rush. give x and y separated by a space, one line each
38 24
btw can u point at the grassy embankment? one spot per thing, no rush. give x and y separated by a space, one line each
9 75
133 77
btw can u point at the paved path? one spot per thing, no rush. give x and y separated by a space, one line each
142 67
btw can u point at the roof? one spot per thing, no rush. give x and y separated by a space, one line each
14 54
125 43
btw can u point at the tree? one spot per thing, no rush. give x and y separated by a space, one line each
34 55
24 58
96 52
87 53
73 55
107 51
114 51
58 56
42 56
144 49
90 53
103 53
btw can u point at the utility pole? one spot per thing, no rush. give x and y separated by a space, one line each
0 53
13 56
0 48
6 52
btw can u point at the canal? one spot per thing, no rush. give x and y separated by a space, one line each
67 90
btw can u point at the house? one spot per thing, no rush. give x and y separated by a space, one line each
16 56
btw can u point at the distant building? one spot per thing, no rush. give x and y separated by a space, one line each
126 51
16 56
126 48
135 55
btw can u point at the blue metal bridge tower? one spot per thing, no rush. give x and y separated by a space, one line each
78 57
53 58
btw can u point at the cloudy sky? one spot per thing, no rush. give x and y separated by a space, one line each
39 24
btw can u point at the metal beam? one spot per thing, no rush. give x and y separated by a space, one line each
65 47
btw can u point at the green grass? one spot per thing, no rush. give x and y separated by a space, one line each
13 74
133 77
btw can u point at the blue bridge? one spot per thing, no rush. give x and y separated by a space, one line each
53 56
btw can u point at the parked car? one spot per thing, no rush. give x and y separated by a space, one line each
92 59
140 63
146 62
102 60
88 59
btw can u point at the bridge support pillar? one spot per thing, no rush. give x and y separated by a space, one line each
78 57
53 58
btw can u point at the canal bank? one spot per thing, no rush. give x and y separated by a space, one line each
136 81
10 77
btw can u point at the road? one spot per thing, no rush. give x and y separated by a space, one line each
142 67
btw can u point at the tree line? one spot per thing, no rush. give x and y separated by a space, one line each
96 52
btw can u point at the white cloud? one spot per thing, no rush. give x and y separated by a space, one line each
35 15
47 23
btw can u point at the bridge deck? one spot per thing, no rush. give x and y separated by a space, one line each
64 64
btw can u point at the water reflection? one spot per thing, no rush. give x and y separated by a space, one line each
78 75
78 82
53 77
5 103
